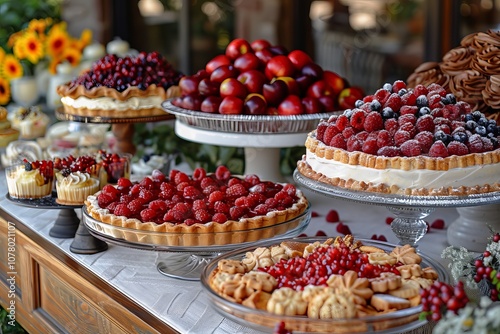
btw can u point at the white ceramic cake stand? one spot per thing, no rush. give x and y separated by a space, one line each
410 211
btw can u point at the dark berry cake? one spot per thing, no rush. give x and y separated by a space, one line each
121 87
419 141
195 210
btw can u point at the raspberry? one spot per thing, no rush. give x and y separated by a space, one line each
199 174
252 179
198 204
373 122
158 205
332 216
181 177
148 215
434 101
420 90
457 148
394 102
103 200
338 141
126 198
451 111
409 99
384 139
391 125
146 183
236 191
408 110
135 205
262 209
207 181
354 144
123 182
320 131
382 95
342 122
222 173
111 207
136 189
362 135
368 98
147 195
438 149
257 197
437 112
122 210
475 144
411 148
220 206
180 187
435 88
216 196
425 140
465 108
370 146
443 128
389 151
180 211
398 85
348 132
158 176
401 136
487 144
358 119
330 132
219 217
410 128
232 181
189 221
343 229
425 123
202 216
111 191
191 192
237 212
290 189
407 118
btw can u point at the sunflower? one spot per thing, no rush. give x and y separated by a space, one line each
57 41
72 56
38 26
11 67
4 91
85 38
32 47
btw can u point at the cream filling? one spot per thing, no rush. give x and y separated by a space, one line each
421 178
25 177
108 103
76 179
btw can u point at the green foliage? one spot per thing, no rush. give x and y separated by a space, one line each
6 328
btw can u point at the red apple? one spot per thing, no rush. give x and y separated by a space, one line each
313 70
192 102
211 104
217 61
348 97
279 66
320 88
328 102
189 84
223 72
291 105
260 44
247 62
253 80
237 47
299 58
207 87
201 74
312 105
335 81
264 55
291 83
231 105
275 92
232 87
255 104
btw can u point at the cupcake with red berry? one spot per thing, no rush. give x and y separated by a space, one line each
121 87
30 180
76 179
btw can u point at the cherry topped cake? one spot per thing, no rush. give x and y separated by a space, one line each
194 210
121 87
419 141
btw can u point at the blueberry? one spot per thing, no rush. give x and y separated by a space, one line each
375 105
492 128
388 87
402 91
358 103
348 113
445 100
481 130
422 101
443 136
477 115
470 125
450 97
460 137
424 111
469 117
483 121
27 166
387 113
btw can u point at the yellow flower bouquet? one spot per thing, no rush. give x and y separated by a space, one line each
43 40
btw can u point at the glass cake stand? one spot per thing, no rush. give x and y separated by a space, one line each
189 253
261 136
410 211
67 224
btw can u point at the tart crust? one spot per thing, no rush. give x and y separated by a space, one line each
403 163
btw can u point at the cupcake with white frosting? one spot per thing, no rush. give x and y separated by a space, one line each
75 187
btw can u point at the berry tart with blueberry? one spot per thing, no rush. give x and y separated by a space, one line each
419 141
121 87
30 180
195 210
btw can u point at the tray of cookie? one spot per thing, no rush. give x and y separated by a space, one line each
322 285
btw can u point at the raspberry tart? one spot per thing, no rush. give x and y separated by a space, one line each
196 210
419 141
121 87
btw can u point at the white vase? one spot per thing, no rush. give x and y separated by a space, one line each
24 91
473 226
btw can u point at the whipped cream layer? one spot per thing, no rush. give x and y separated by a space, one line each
413 179
108 103
76 179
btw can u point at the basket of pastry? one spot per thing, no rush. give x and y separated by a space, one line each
327 285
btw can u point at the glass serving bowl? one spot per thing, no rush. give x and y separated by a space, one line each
393 322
